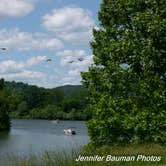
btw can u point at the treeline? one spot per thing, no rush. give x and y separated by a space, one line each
4 116
66 102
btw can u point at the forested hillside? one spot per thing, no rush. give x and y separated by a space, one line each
28 101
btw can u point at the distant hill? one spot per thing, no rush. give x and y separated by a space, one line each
30 101
67 89
71 89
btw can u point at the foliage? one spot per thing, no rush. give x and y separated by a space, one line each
127 83
4 117
66 102
68 158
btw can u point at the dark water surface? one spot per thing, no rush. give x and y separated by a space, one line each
37 136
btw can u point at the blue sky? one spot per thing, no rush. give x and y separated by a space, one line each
34 31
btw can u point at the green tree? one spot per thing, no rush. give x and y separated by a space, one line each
23 108
4 118
127 83
33 96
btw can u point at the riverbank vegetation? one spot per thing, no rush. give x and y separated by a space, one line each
4 116
66 158
31 102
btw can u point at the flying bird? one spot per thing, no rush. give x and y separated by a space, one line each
80 59
49 60
71 61
3 48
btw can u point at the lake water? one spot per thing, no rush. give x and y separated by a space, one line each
37 136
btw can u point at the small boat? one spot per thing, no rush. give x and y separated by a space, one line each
69 131
55 121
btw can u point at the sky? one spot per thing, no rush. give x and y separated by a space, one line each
46 41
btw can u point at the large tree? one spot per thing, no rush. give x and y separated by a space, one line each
127 83
4 117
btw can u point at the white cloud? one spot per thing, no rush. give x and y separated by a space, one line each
35 60
75 53
74 73
87 61
9 67
70 24
66 60
76 67
15 8
24 71
15 39
20 71
23 75
70 80
26 76
68 56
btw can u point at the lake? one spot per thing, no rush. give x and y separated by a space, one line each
37 136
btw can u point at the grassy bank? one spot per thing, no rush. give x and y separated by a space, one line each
128 151
66 159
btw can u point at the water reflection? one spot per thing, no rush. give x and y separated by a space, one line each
4 135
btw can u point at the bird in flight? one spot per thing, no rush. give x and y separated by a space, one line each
80 59
71 61
49 60
3 48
